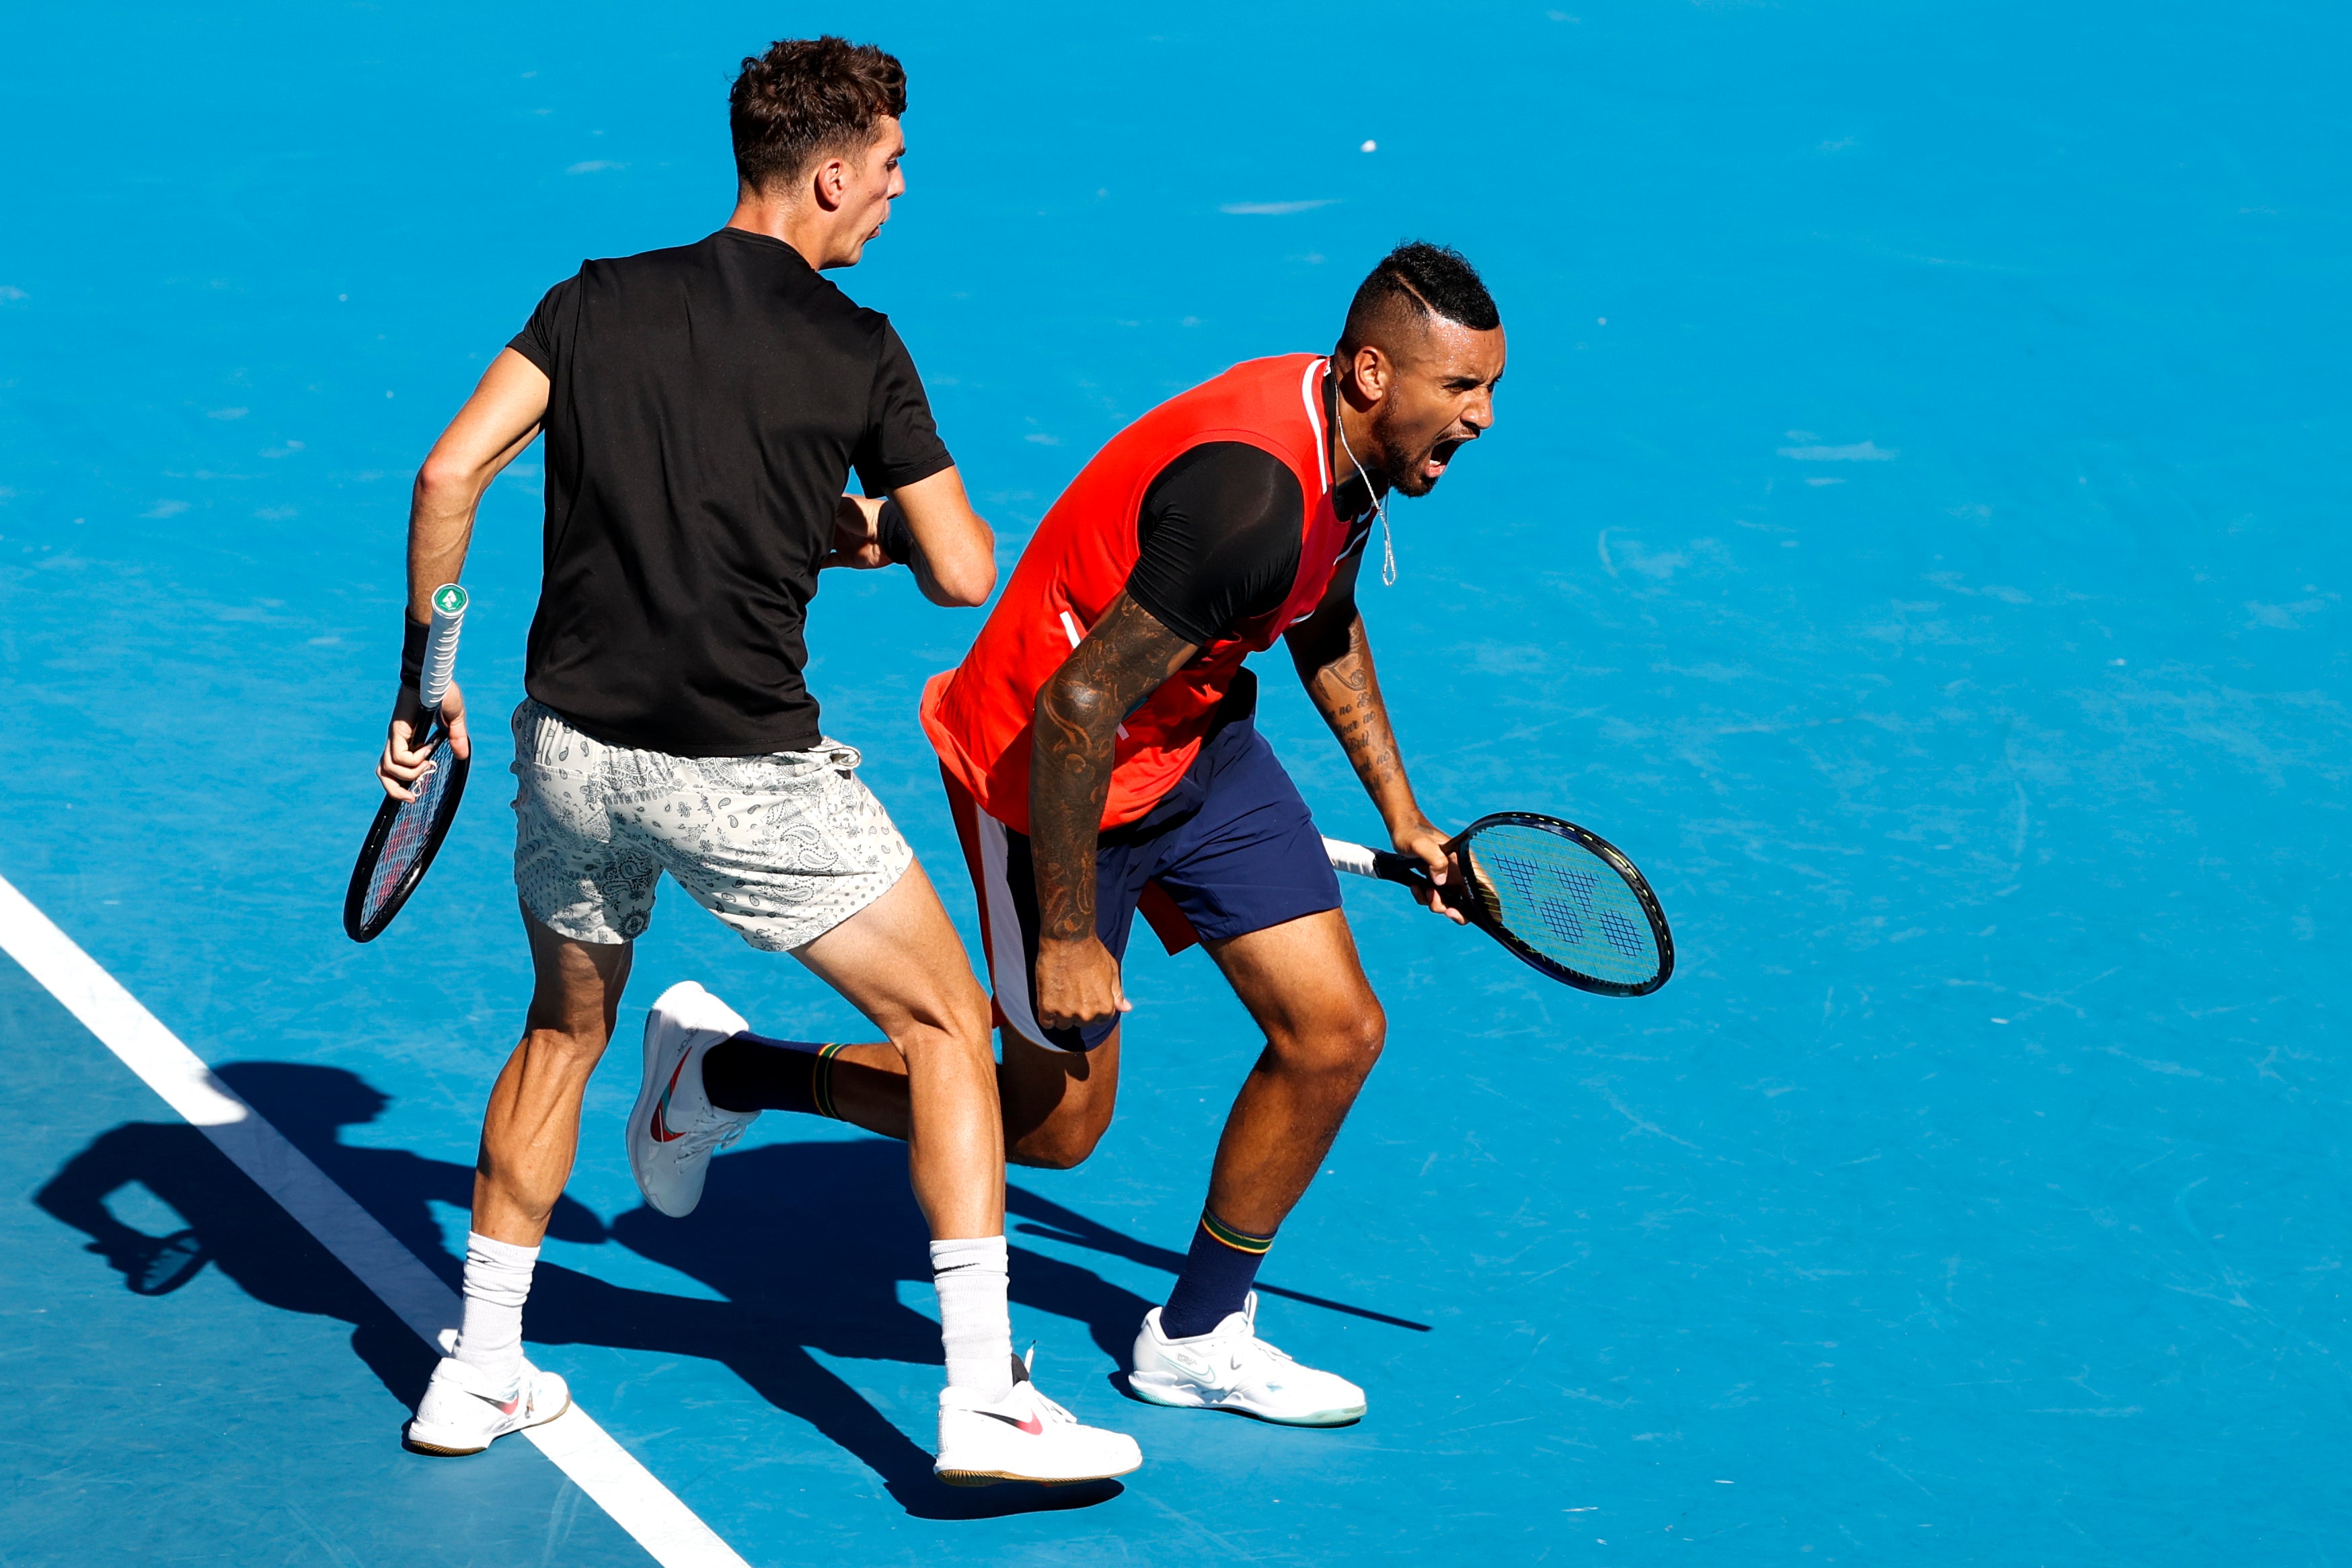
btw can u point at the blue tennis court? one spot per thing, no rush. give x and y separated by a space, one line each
1913 531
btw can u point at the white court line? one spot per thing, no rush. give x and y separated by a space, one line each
584 1451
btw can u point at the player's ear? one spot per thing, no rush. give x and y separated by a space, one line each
831 181
1372 371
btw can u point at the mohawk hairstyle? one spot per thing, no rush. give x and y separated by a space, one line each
809 97
1413 283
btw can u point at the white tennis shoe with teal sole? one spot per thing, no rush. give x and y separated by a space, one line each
1230 1368
675 1129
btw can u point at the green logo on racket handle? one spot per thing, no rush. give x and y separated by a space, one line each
449 598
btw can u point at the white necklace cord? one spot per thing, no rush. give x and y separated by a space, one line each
1380 506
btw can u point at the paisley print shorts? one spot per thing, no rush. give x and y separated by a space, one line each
782 848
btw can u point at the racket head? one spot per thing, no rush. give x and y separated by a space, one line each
173 1261
1564 901
401 843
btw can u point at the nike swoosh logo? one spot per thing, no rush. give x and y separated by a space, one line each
662 1135
1033 1426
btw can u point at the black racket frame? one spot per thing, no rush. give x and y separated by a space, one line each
1392 867
364 872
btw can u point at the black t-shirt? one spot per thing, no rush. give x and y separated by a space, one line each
1220 532
707 405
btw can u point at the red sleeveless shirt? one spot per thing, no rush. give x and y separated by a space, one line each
979 715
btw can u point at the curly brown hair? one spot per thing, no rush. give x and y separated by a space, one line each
806 98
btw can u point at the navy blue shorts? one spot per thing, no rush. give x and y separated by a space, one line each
1228 851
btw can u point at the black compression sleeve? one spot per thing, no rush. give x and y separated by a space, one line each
1220 532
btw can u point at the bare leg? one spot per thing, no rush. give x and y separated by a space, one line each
899 962
1056 1105
1305 985
530 1132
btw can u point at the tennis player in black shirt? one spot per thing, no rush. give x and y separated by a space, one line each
703 408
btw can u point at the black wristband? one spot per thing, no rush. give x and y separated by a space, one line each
891 532
411 652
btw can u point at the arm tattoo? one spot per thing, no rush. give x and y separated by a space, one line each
1110 674
1335 666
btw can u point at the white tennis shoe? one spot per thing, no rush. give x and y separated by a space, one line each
463 1413
1230 1368
1025 1437
675 1129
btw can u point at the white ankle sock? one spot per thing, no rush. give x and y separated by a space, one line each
971 1278
497 1279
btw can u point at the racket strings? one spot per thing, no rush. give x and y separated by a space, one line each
412 830
1565 903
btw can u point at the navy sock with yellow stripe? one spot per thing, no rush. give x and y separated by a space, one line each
749 1071
1218 1273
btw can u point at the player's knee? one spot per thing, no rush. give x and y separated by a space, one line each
940 1038
968 1018
1062 1144
948 1021
1055 1135
1364 1035
1344 1044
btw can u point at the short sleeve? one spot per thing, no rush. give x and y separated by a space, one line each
901 444
541 337
1218 540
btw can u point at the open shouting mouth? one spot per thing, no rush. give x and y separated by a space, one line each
1433 466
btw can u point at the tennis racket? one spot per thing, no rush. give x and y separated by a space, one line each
406 834
164 1266
1562 900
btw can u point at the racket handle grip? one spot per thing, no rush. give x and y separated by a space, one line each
1359 860
441 645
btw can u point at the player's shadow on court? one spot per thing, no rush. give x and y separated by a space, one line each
229 1224
811 1245
808 1243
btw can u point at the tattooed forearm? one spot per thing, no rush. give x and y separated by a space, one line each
1336 667
1115 671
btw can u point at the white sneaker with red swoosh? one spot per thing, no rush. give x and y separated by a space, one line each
1025 1437
462 1413
675 1129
